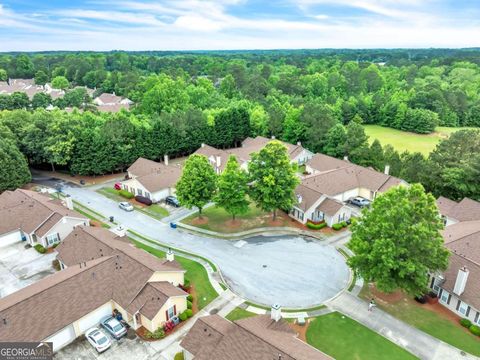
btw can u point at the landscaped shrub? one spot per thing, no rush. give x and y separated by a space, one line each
337 226
40 248
179 356
465 323
189 313
186 283
190 297
475 330
126 194
55 245
157 334
344 224
189 304
143 200
56 264
316 226
183 316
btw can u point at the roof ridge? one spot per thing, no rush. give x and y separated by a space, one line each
78 270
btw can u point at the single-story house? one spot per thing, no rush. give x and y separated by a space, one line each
260 337
458 288
332 182
453 212
114 275
218 157
151 179
36 218
112 103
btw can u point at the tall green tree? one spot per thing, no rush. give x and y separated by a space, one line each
198 183
14 170
60 82
398 242
233 188
273 178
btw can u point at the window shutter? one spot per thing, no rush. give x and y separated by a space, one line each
166 315
449 298
175 309
440 293
468 311
477 316
458 305
433 280
58 236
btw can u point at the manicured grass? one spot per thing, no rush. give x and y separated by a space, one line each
111 193
434 323
196 273
239 313
402 140
343 338
217 219
156 211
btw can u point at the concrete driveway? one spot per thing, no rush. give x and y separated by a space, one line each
123 349
290 270
20 267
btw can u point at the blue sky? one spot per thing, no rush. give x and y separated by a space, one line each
236 24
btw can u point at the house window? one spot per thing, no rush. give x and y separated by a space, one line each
140 192
52 239
171 312
444 297
462 309
147 194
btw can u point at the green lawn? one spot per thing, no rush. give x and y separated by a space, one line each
221 221
431 322
343 338
156 211
402 140
239 313
196 273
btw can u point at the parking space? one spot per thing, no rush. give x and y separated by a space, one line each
20 267
127 348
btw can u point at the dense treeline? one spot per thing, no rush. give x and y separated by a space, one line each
321 100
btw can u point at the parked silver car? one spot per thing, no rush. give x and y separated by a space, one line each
125 206
98 339
360 202
113 326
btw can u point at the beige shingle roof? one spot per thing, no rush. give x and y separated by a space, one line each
164 177
322 162
330 206
256 338
143 166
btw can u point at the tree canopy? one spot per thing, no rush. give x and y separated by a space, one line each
397 242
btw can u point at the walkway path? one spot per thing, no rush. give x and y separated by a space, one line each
417 342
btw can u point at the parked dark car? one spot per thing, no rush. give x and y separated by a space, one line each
143 200
172 200
360 202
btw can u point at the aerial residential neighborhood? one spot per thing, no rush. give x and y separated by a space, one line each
239 180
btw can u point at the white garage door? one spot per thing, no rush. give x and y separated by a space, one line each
160 195
62 338
94 317
10 239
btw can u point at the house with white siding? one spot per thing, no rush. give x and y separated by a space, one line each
152 179
36 218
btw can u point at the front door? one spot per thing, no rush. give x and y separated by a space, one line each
138 320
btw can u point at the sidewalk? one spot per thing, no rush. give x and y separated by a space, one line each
417 342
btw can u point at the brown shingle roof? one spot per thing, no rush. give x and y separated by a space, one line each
86 243
39 310
465 210
211 153
162 178
308 197
28 211
330 206
463 241
322 163
143 166
256 338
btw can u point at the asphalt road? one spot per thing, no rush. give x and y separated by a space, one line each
289 270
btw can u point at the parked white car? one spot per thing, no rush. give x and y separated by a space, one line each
125 206
98 339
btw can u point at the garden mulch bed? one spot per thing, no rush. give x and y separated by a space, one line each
200 220
301 330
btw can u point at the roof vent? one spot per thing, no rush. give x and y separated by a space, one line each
276 312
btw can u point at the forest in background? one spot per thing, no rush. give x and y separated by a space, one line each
317 97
